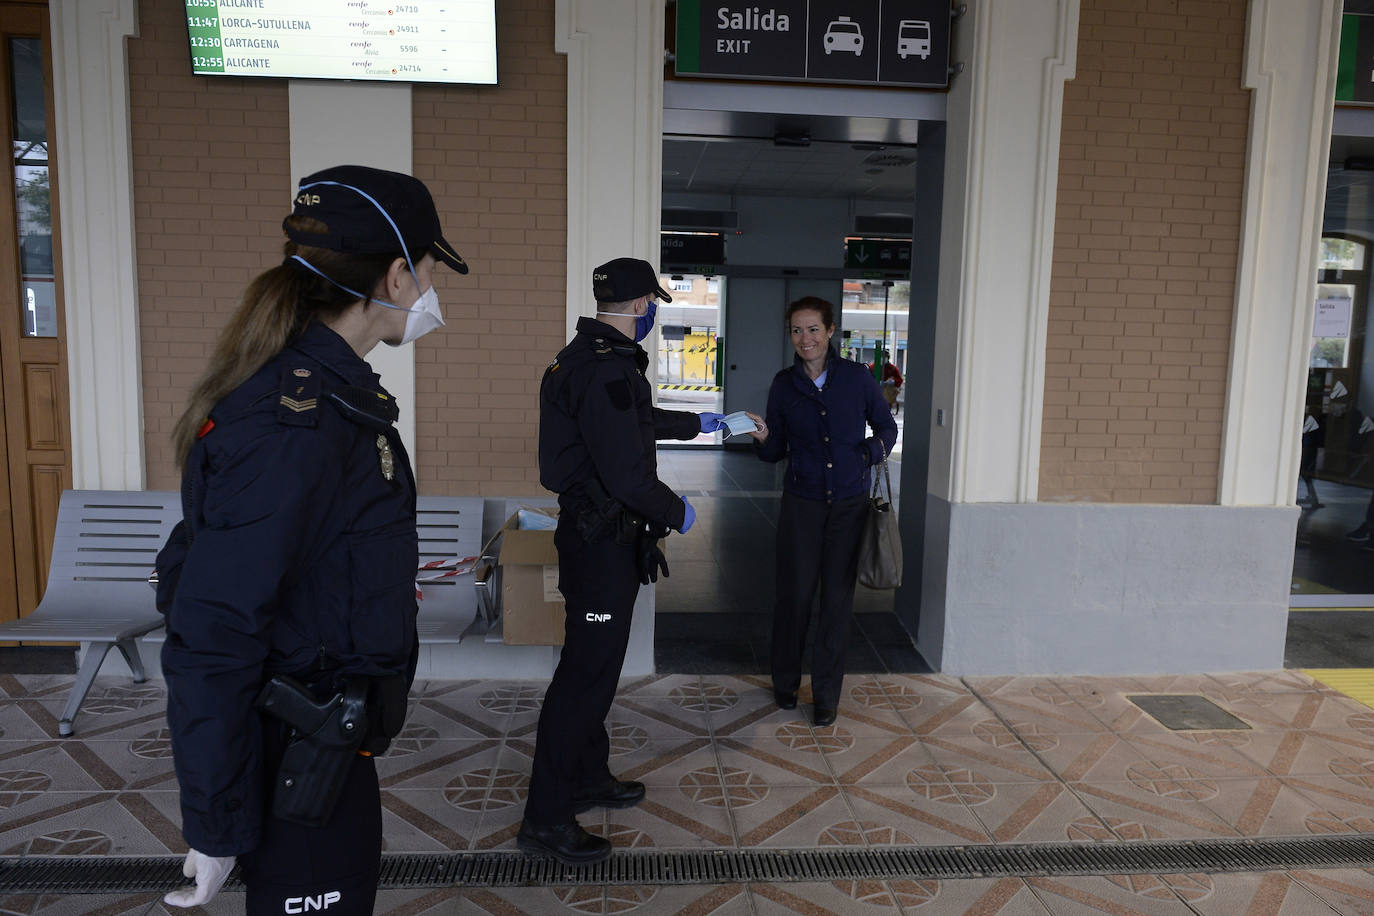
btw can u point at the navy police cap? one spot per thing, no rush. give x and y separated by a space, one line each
354 203
626 278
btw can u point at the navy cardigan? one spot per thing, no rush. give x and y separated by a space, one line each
824 431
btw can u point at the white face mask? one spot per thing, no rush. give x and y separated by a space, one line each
424 316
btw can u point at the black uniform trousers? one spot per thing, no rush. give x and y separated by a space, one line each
572 750
331 869
818 541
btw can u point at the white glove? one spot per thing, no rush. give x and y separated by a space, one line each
209 872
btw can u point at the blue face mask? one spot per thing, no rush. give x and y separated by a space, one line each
645 323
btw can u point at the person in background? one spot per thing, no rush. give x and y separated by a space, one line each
597 428
820 412
289 585
891 383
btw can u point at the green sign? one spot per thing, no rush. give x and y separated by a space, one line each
877 254
1355 67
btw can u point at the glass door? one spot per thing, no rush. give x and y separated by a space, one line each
1333 563
691 347
874 331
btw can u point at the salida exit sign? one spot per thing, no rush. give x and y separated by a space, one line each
879 42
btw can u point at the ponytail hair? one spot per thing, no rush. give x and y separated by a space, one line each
275 308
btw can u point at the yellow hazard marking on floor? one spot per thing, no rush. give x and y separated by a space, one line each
688 387
1356 683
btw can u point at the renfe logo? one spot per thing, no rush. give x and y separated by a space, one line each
306 904
598 618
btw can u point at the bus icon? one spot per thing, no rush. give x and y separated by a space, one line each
913 37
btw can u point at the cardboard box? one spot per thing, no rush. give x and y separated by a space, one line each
531 605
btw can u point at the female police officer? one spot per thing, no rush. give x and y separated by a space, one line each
289 587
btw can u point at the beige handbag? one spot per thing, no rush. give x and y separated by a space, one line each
880 551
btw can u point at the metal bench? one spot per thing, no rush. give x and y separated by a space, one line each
105 548
103 552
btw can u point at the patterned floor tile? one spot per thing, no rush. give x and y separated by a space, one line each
664 822
656 685
684 714
419 759
774 763
786 817
74 823
1217 758
1260 892
1126 895
932 813
432 820
841 898
935 685
1030 813
866 761
1174 808
1051 711
1349 891
1263 807
990 755
950 716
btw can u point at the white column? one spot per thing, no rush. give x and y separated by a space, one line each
96 220
336 122
1290 63
615 135
1001 176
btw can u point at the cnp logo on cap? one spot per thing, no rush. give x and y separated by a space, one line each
626 278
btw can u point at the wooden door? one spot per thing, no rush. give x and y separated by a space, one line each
35 461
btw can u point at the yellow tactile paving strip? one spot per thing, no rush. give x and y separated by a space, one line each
1356 683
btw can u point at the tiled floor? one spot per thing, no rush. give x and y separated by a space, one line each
913 759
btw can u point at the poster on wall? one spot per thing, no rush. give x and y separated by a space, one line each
432 41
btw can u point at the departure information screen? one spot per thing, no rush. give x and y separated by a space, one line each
430 41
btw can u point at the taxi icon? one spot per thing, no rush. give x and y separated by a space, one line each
844 35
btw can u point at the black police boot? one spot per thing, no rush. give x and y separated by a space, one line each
568 843
825 715
786 699
613 794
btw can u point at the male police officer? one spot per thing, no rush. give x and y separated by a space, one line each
597 426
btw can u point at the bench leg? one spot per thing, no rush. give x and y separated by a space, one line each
129 648
95 657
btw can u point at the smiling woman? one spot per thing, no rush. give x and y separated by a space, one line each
819 414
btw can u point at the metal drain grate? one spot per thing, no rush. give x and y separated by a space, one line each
62 875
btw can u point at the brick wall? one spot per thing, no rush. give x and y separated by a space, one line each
496 159
211 161
1147 228
211 164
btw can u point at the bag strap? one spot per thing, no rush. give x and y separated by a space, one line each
887 478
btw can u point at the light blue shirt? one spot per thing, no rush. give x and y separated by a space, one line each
820 379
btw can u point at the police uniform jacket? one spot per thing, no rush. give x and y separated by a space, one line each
823 432
301 560
597 420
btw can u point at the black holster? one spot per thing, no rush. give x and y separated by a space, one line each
597 513
326 737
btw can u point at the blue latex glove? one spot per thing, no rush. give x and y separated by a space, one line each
689 517
710 422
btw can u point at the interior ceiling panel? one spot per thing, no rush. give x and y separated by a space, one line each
774 155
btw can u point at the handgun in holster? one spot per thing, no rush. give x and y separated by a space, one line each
599 515
324 740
